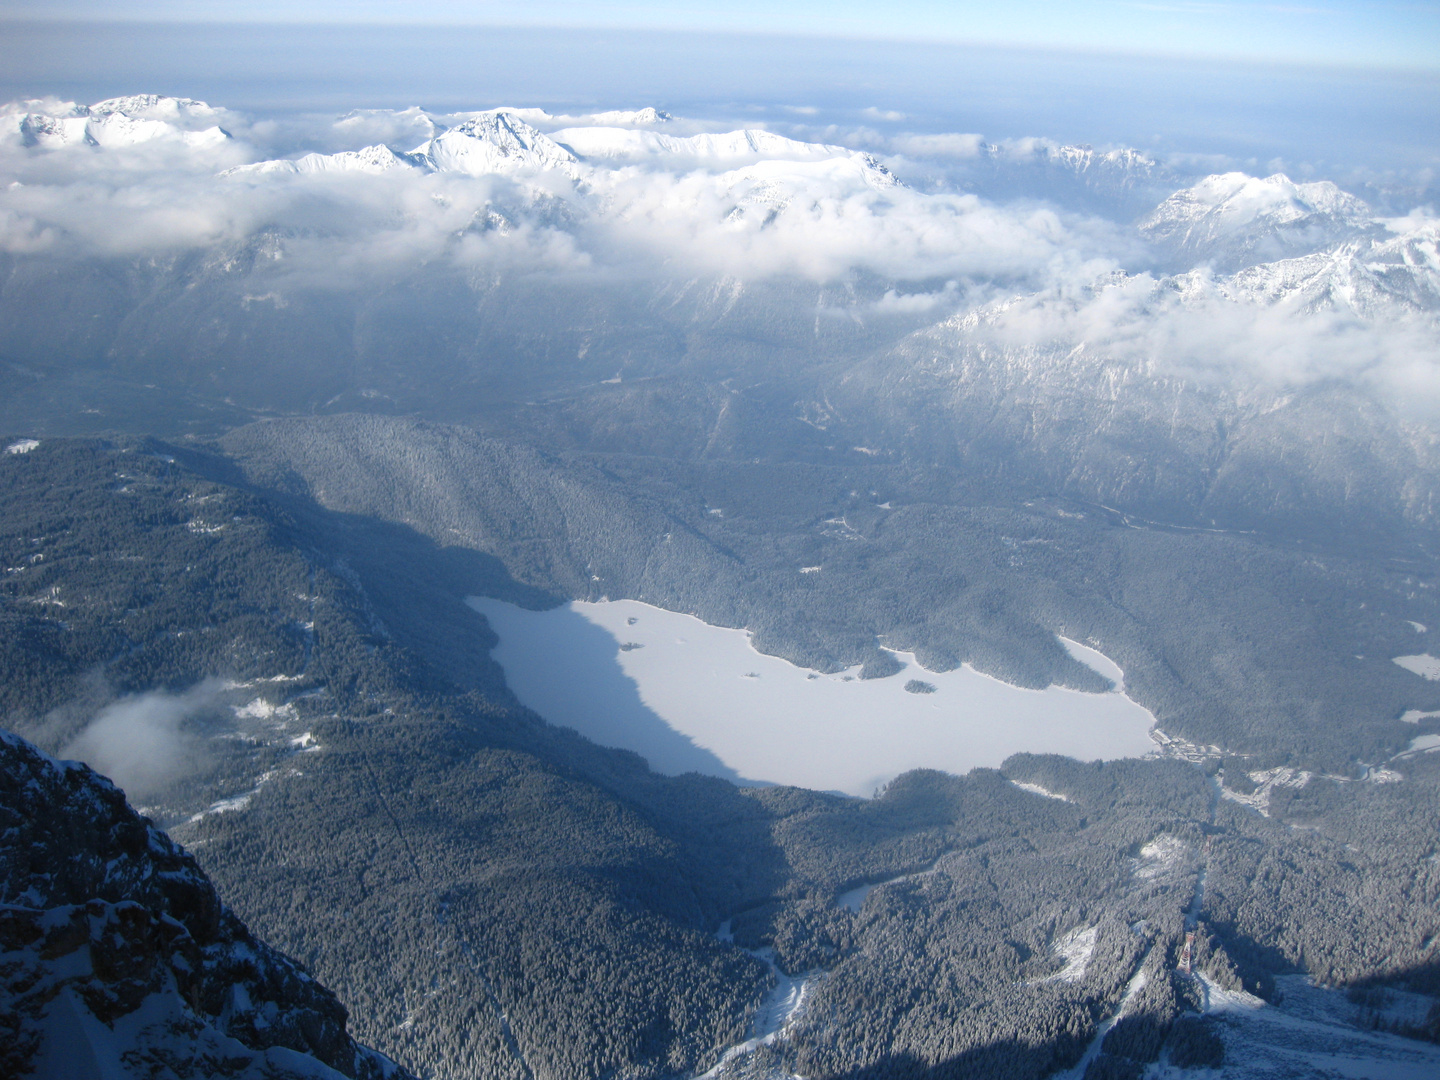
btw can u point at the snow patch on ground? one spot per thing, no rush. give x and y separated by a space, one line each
1420 627
1423 664
1036 789
1414 716
1075 949
236 802
1160 857
1133 987
700 697
24 446
260 709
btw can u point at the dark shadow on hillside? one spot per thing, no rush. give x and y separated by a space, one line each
416 589
1005 1059
604 702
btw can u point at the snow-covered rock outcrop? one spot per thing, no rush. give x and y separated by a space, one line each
117 958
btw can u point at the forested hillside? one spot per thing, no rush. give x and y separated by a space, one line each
1284 651
494 897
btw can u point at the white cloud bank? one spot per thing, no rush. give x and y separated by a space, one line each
641 195
164 176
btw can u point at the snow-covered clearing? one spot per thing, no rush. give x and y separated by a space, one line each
1414 716
1310 1032
1266 781
260 709
693 697
1421 744
1160 857
1075 948
24 446
1422 664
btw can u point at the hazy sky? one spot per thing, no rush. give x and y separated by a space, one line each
1385 33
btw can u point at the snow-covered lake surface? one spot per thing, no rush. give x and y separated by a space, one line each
690 696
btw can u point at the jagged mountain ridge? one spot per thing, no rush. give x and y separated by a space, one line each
119 955
1372 278
1109 408
116 123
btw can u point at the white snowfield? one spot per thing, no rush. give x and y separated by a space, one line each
1422 664
688 696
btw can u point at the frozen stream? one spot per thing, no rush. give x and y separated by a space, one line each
781 1005
693 697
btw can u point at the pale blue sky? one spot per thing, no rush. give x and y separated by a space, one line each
1380 33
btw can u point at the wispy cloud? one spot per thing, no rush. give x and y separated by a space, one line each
141 742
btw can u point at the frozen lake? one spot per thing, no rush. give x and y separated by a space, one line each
690 696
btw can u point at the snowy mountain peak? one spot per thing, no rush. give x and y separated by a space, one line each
1239 198
155 107
369 159
1234 220
1372 279
630 117
119 122
747 147
51 132
497 143
1078 159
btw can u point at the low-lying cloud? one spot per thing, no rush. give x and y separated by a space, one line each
813 211
143 743
641 196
